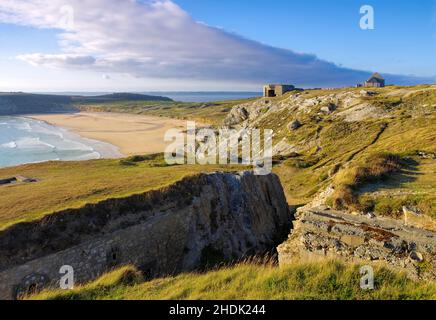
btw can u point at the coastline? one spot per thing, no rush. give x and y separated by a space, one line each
27 140
104 149
130 134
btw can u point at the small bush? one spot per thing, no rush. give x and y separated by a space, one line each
302 163
375 167
125 162
393 206
142 158
389 207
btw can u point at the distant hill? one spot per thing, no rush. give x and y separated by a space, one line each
121 97
14 103
22 103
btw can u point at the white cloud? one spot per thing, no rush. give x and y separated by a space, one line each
58 60
157 39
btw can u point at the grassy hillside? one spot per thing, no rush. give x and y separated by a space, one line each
22 103
398 120
377 149
326 280
114 97
26 103
62 185
210 113
327 143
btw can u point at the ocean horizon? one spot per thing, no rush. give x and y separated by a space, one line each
181 96
24 140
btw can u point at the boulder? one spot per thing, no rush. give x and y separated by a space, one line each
236 116
294 125
329 108
414 218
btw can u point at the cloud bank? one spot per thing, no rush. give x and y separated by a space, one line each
158 39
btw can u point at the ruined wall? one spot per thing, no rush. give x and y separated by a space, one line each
176 229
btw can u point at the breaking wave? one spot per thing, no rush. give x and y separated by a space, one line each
24 140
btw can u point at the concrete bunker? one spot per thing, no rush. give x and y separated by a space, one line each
276 90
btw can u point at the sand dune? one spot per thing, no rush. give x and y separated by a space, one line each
132 134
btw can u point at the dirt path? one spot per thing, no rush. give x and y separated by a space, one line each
377 137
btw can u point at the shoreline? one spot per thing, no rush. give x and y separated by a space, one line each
26 140
131 134
105 149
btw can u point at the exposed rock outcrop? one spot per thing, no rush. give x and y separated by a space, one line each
320 233
236 116
414 218
294 125
198 221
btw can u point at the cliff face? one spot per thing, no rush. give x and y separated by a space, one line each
196 222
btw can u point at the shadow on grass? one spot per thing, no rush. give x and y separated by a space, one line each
409 173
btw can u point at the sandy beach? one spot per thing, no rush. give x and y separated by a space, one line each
132 134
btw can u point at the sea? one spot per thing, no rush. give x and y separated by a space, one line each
206 96
183 96
25 140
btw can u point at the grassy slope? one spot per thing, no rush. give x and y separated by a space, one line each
327 280
64 185
413 186
210 113
411 126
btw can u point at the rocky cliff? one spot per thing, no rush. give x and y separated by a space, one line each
322 233
197 222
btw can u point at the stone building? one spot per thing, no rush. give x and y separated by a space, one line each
375 81
276 90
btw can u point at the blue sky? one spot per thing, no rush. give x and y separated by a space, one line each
117 45
404 37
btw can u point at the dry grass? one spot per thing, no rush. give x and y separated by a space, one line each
212 113
63 185
326 280
347 181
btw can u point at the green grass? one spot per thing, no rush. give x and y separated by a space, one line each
325 280
372 170
384 183
326 143
411 126
63 185
212 113
413 186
